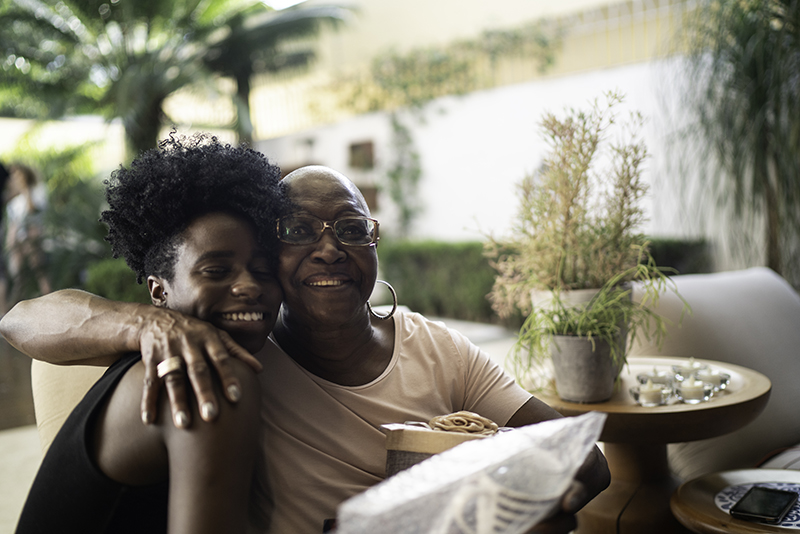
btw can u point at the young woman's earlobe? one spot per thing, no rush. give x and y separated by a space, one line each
158 293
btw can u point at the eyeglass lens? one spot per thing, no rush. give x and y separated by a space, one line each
305 230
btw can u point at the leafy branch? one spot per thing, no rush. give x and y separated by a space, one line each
413 79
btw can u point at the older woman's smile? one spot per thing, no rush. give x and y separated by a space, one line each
327 280
326 283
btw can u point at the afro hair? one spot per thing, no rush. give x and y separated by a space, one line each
166 188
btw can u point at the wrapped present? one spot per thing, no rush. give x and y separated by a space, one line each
412 442
505 483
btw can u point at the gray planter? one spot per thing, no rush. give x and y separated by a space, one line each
583 374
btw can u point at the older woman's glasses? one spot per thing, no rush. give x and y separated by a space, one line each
307 229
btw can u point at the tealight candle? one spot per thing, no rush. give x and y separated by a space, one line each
684 371
650 393
657 377
715 378
692 390
693 364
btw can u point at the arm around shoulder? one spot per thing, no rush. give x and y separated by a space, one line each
71 326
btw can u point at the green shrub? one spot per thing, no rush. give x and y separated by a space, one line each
452 280
114 280
440 279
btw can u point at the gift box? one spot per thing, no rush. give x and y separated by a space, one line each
408 444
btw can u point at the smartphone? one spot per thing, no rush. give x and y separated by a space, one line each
764 504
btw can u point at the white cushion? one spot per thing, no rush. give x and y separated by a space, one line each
788 459
749 318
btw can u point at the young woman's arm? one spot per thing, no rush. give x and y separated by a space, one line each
210 467
75 327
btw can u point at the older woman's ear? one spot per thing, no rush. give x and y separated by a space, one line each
158 293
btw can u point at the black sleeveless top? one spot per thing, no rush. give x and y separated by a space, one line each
71 494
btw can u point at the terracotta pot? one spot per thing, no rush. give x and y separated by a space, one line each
583 374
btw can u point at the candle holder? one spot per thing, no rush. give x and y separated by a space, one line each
717 379
682 372
650 397
656 377
694 394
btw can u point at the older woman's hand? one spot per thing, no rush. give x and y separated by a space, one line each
165 334
558 524
592 478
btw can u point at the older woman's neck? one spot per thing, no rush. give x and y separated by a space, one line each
353 353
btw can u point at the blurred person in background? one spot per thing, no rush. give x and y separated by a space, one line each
25 230
4 175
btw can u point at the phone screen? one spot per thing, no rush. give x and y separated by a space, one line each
764 504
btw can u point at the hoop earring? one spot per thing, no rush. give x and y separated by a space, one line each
394 303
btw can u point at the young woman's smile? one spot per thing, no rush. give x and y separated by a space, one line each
224 277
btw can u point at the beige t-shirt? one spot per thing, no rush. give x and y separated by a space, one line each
323 442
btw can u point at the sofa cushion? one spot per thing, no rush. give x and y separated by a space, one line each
786 459
57 389
749 318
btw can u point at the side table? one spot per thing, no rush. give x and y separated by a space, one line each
635 444
693 502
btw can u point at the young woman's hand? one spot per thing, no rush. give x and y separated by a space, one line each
166 334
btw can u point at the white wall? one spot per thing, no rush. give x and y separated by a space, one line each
474 149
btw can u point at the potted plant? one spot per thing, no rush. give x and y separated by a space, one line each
575 252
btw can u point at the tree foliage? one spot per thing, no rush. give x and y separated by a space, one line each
745 92
123 58
253 45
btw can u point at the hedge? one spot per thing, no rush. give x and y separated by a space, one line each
439 279
113 279
446 279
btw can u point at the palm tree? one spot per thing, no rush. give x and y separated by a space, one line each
253 45
125 58
745 91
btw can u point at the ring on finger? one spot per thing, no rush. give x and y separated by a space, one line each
169 365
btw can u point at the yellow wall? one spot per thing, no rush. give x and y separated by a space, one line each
599 34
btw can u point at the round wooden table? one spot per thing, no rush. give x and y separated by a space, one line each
635 443
693 502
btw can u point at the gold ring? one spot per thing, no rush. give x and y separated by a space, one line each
169 365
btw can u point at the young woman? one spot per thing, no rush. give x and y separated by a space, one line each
193 218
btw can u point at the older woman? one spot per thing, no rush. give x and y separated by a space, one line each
185 217
334 372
